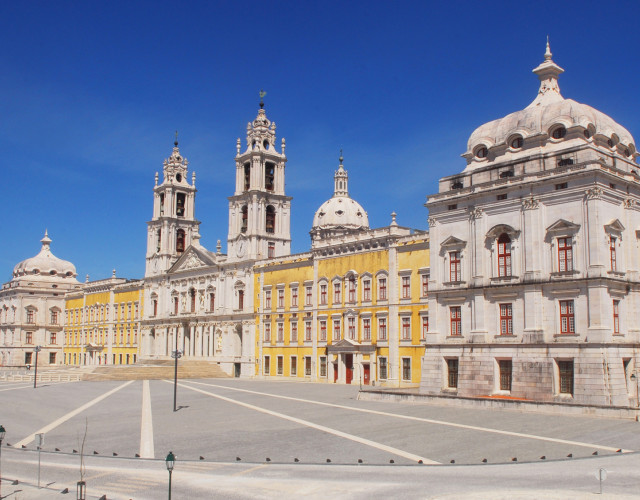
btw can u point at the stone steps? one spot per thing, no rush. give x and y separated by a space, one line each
157 369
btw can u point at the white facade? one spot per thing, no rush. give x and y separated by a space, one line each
201 302
32 309
535 257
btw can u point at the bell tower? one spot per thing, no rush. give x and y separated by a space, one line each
173 226
259 210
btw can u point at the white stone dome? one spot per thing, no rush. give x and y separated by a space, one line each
341 211
548 111
45 264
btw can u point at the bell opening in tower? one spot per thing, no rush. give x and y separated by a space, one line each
180 198
247 176
269 169
270 222
180 241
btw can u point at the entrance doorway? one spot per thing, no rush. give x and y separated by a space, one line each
348 364
335 372
236 370
366 373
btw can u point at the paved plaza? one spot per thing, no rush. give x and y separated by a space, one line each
257 439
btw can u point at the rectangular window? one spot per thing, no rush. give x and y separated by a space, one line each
307 366
155 307
280 331
30 316
309 296
506 319
504 255
382 329
294 366
425 285
612 252
406 369
241 299
28 358
425 326
267 299
307 331
323 366
567 324
323 294
271 248
455 268
455 313
565 255
616 316
281 298
382 368
352 327
280 367
29 337
366 290
266 370
53 337
294 297
54 317
452 373
212 301
337 288
382 289
505 367
294 332
323 330
175 305
406 328
406 287
352 289
366 329
565 372
267 332
336 329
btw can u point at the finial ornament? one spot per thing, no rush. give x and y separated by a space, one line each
547 53
341 157
175 143
262 94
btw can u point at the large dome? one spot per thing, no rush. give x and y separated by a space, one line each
340 214
45 264
547 112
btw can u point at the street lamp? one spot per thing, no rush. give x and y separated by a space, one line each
635 378
36 349
2 433
177 354
170 462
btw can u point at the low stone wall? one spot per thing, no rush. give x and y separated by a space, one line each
407 396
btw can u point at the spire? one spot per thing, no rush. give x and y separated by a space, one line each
262 94
46 241
175 143
548 73
341 179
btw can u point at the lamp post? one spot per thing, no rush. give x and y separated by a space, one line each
170 462
634 377
2 433
177 354
36 349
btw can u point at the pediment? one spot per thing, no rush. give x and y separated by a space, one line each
193 258
563 226
499 229
614 226
452 241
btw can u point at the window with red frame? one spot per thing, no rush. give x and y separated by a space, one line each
294 297
382 329
307 331
267 299
280 298
382 289
351 322
352 289
455 267
280 332
406 287
308 296
425 285
52 338
337 288
323 330
455 313
425 326
504 255
366 290
506 319
212 301
567 321
271 249
336 329
612 252
565 255
406 328
366 329
294 331
323 294
616 316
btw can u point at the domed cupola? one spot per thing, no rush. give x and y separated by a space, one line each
45 265
340 214
550 122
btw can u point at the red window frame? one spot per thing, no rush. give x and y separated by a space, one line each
307 331
567 318
280 331
280 298
455 314
323 330
382 289
366 290
294 297
406 287
406 328
455 270
28 338
271 249
425 285
616 316
382 329
612 252
337 288
565 255
366 329
352 327
504 255
336 329
506 319
352 289
294 331
267 299
323 294
425 326
309 298
212 301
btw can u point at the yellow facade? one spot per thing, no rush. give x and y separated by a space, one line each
349 314
103 323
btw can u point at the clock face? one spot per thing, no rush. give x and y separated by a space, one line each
241 248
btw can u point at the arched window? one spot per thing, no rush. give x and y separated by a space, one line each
269 172
180 198
180 241
245 216
504 255
247 176
271 219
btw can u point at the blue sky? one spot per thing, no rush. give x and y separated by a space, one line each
92 92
